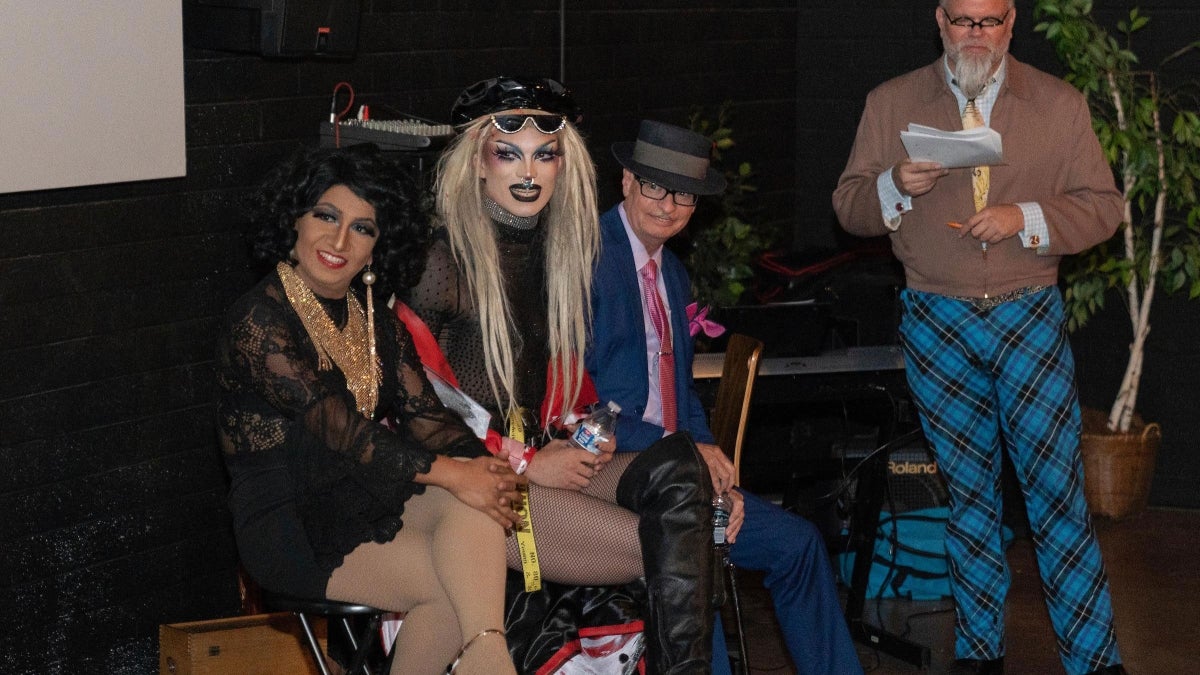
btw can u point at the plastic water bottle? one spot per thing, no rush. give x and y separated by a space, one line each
596 428
722 506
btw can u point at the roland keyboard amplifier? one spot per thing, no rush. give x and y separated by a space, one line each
914 480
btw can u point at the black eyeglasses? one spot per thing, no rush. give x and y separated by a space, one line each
547 124
657 192
982 24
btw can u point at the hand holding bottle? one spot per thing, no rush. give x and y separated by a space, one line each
596 428
562 464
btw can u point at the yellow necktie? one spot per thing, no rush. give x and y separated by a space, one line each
980 175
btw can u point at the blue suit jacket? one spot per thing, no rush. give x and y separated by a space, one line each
616 358
785 546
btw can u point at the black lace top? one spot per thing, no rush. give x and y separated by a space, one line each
295 446
443 302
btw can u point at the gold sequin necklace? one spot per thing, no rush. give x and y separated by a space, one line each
351 348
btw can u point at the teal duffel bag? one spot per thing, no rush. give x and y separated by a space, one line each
910 556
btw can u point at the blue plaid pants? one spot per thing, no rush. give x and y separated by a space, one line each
985 380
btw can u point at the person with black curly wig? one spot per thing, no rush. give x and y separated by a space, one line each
349 479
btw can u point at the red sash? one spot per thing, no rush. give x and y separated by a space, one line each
432 358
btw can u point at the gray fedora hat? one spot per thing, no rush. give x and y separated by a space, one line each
674 157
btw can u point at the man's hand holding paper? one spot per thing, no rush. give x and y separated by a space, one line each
953 149
914 179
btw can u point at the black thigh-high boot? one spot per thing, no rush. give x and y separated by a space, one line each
668 486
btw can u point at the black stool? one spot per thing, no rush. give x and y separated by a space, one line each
303 608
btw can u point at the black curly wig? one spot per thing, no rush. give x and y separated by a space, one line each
295 186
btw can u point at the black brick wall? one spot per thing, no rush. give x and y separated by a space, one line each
112 489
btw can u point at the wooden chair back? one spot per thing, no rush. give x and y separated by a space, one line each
733 397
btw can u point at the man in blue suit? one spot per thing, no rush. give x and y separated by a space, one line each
665 172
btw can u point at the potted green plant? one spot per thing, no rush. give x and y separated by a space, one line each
722 243
1150 133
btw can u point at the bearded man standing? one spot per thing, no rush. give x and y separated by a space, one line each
987 359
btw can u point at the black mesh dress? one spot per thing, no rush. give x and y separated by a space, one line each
311 478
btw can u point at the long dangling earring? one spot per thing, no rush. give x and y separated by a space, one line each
368 279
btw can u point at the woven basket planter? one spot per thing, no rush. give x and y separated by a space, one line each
1117 467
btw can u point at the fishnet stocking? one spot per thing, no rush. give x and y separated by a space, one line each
583 537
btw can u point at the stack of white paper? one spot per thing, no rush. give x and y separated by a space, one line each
952 149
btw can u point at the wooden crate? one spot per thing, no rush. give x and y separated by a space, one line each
260 644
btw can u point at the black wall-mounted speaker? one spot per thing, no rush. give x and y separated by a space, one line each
275 28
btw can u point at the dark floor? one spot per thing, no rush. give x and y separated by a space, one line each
1153 564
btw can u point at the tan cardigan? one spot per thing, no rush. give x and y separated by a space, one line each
1051 156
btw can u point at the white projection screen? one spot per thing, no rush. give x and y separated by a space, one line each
91 92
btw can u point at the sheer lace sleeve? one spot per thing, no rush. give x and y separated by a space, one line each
351 475
417 413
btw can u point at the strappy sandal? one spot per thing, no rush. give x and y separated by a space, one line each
458 657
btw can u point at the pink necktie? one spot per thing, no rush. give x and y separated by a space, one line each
666 360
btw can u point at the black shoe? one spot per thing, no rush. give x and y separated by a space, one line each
1114 669
978 667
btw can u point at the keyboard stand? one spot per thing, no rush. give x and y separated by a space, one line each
864 524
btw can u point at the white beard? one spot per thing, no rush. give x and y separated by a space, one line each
973 74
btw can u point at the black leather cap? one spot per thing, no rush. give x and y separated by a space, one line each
498 94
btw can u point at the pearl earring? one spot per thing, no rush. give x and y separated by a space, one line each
368 277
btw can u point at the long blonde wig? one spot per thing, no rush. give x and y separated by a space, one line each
572 236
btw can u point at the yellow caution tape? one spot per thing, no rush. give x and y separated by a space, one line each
525 542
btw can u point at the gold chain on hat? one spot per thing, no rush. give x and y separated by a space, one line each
351 348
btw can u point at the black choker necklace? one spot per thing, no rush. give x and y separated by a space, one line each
500 215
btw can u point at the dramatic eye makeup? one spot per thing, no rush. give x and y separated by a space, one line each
547 153
325 213
365 227
503 152
331 214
